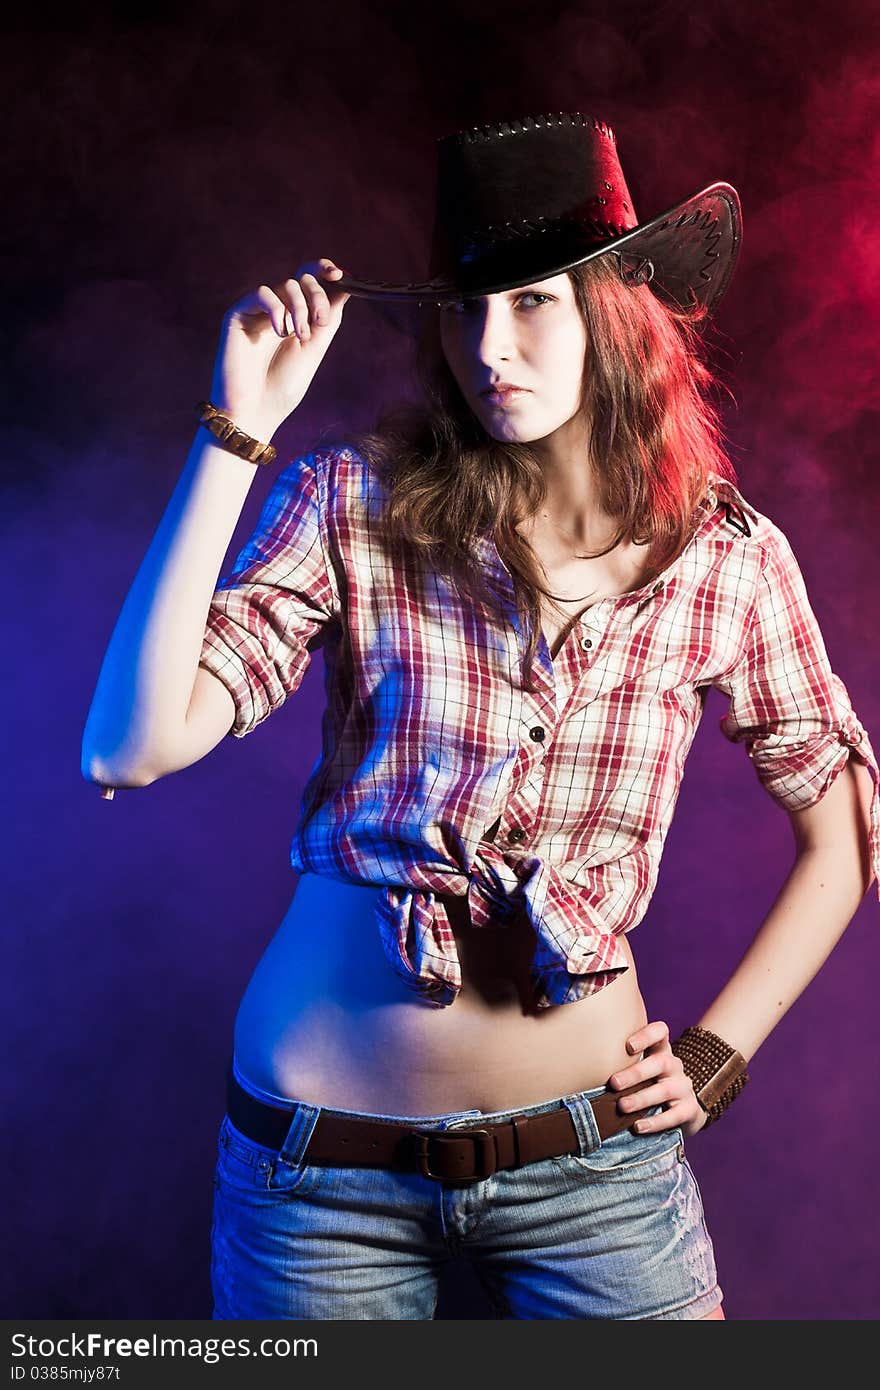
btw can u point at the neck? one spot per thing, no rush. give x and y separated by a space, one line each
572 502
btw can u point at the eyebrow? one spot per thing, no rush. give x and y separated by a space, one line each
520 289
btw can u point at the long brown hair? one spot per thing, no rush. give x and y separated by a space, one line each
655 437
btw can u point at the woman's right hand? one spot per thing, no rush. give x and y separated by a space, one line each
272 343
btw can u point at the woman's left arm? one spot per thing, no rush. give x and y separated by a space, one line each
827 882
813 755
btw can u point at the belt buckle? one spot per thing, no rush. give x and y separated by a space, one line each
484 1150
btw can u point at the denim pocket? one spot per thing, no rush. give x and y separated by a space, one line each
630 1155
248 1170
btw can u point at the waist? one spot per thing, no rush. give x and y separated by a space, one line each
324 1019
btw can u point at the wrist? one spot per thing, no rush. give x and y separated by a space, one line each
248 419
716 1069
242 436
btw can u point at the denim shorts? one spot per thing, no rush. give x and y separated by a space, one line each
615 1230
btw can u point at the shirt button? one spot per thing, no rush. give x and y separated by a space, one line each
537 733
516 834
586 643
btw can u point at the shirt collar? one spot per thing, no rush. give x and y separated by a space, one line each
718 491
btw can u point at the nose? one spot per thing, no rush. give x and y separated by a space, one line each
490 331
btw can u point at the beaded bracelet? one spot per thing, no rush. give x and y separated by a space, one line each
717 1070
232 438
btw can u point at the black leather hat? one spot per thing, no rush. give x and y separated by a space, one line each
526 199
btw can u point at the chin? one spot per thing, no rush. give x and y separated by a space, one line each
509 436
513 431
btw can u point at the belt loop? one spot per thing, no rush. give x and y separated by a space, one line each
302 1123
584 1120
520 1125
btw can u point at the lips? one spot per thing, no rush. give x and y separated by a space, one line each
500 394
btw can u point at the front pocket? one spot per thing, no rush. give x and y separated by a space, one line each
625 1155
249 1171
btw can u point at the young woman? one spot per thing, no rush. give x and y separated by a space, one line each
523 596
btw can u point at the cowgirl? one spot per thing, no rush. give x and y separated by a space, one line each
524 589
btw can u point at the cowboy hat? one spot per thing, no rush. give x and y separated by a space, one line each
525 199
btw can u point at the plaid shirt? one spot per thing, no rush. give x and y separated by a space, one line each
428 738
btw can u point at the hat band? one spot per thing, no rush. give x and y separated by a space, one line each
527 249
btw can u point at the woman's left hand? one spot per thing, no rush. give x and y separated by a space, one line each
674 1089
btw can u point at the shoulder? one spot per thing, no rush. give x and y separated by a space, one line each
736 512
335 476
781 591
346 474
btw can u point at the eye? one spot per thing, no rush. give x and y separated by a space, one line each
456 306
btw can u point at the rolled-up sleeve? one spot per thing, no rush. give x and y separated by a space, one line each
271 611
788 707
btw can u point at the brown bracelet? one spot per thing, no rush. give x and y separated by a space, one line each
717 1070
232 438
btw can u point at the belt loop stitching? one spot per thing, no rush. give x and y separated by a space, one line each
515 1123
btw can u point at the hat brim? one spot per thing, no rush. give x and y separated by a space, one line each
693 246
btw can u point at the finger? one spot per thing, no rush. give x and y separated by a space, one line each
318 300
329 271
294 298
650 1035
262 300
676 1114
653 1064
663 1090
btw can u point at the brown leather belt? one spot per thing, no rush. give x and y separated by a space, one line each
461 1155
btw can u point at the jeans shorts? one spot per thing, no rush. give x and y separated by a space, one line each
615 1230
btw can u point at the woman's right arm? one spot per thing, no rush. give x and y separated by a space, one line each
154 709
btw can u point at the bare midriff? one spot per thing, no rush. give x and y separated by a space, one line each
325 1019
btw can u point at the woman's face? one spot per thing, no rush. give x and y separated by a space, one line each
532 337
